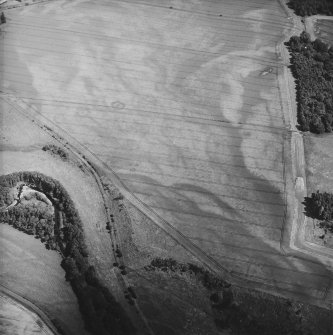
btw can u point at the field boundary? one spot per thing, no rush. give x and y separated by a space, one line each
293 232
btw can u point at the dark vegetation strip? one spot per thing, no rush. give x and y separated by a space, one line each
63 232
312 66
245 312
203 183
311 7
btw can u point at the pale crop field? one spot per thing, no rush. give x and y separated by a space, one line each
34 273
16 319
184 104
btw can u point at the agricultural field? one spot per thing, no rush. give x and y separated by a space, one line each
183 101
324 30
319 160
34 273
16 319
21 150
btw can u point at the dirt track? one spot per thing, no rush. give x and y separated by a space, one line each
173 101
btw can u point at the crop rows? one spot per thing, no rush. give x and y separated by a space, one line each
183 104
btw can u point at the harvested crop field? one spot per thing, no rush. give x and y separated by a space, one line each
31 271
324 30
16 319
182 100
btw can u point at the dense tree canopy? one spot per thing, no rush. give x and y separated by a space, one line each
320 206
312 66
311 7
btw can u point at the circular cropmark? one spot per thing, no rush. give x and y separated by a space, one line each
118 105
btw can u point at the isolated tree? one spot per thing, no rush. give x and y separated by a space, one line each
319 206
3 18
305 37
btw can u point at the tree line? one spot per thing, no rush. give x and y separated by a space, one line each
312 67
207 279
311 7
102 313
238 311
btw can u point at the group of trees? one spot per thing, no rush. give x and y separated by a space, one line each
56 151
311 7
240 312
208 279
312 66
102 313
33 220
320 206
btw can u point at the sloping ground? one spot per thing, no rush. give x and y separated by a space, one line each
34 273
17 319
174 100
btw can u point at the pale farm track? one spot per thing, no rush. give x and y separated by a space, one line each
175 104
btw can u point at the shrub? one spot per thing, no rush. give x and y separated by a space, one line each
2 18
